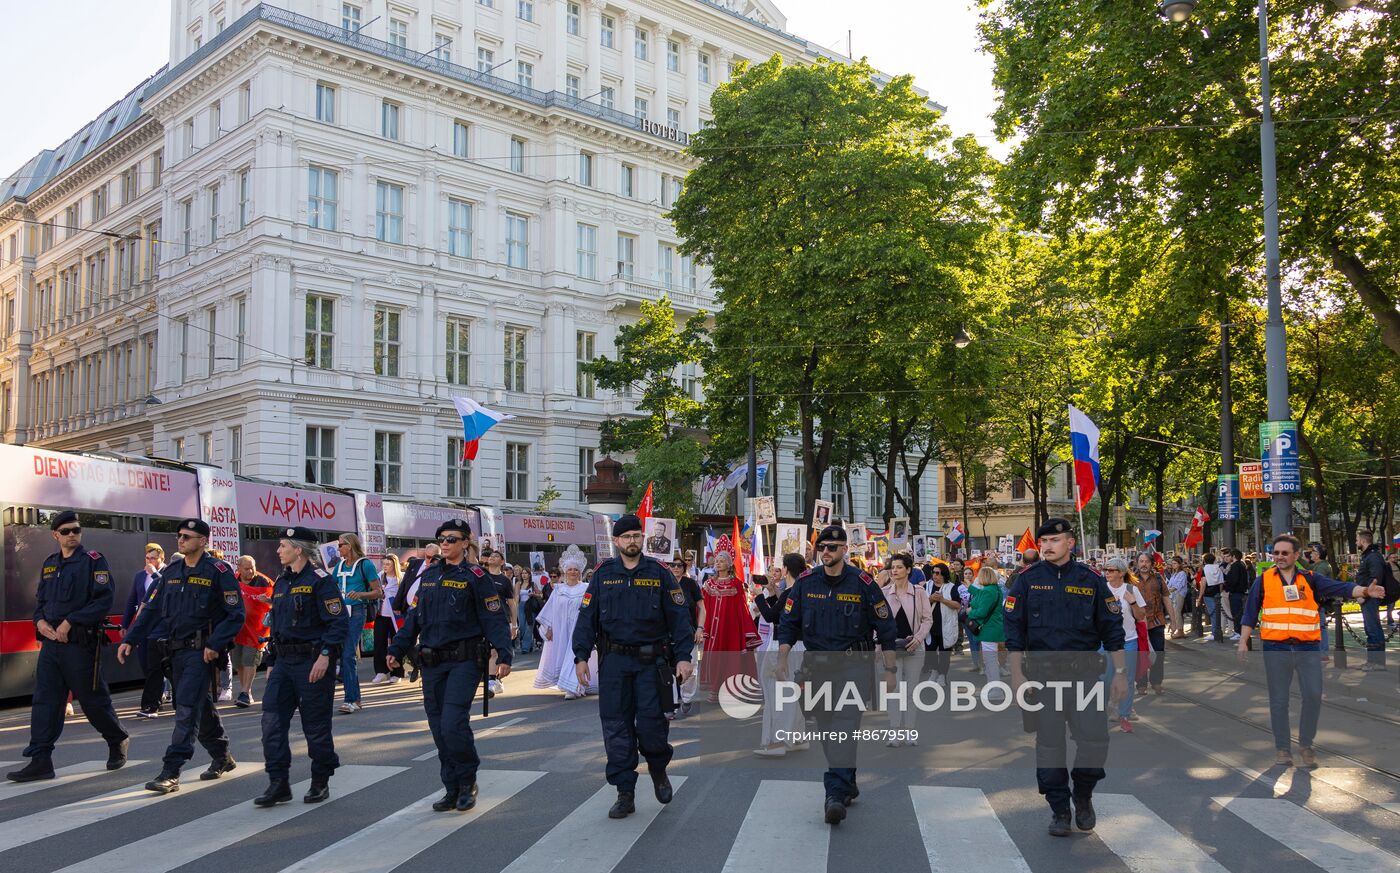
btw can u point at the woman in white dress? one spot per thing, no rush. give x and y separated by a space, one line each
556 622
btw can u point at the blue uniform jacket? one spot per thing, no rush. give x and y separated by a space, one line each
1061 608
195 599
307 608
638 607
455 602
76 589
835 613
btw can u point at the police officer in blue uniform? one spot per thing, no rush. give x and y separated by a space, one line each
74 599
458 620
202 606
308 627
1058 613
835 610
636 614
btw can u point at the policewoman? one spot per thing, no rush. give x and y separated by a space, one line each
1057 615
73 601
308 627
199 598
635 612
458 620
836 610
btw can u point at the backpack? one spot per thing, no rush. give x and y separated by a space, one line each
1392 585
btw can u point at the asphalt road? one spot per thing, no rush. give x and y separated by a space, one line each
1191 789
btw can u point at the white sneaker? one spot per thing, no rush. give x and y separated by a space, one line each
393 680
1209 638
495 686
1234 638
379 679
766 752
226 695
68 710
348 708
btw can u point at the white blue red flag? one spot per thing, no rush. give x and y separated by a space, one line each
1151 536
956 534
1084 441
476 421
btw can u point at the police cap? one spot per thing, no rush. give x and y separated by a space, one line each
195 525
67 516
832 533
456 525
299 533
626 525
1054 526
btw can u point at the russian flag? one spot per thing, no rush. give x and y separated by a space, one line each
1395 541
1151 536
1084 442
476 421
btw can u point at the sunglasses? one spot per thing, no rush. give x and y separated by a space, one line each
70 531
187 536
828 547
447 541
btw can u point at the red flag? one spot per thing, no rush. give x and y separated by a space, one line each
739 573
644 508
1197 534
1027 542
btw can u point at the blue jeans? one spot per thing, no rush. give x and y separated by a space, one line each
1212 608
976 645
1281 661
527 638
1375 633
1130 659
350 657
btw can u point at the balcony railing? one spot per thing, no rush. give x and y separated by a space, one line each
622 291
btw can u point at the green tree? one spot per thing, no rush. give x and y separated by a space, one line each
672 466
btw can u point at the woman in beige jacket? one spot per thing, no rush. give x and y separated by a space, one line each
913 618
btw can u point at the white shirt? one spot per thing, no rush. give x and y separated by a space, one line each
1214 574
1125 601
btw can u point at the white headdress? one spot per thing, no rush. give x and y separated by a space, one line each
573 558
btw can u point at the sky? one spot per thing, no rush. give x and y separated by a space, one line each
71 59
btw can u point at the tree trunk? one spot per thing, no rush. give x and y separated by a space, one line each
1388 514
1376 299
1319 486
1159 476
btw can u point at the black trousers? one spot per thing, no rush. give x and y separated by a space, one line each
384 631
156 670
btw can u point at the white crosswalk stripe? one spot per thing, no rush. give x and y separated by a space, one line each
477 734
387 843
1320 841
62 776
52 822
961 831
580 844
169 849
1145 842
803 840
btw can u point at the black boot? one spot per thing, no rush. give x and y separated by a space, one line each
116 754
466 798
217 768
39 767
1084 817
319 791
835 811
448 801
662 785
278 791
851 798
1059 823
165 783
624 806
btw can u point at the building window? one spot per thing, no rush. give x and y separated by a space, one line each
690 380
626 256
571 85
673 118
72 220
320 330
586 266
517 471
183 323
583 356
157 167
216 120
206 447
386 341
442 47
585 469
607 31
1069 481
459 469
245 102
979 485
398 33
1018 488
950 484
585 169
325 103
515 358
666 264
690 273
129 187
517 155
673 56
459 228
607 97
525 74
703 66
350 19
188 130
186 224
321 200
388 212
799 488
388 462
489 4
389 120
571 18
241 336
877 497
177 445
626 180
841 496
213 212
211 339
458 351
245 192
517 240
235 450
320 456
485 60
639 107
641 44
525 10
461 138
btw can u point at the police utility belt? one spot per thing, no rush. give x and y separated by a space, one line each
647 653
295 648
470 649
171 646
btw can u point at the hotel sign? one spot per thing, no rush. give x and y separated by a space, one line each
665 131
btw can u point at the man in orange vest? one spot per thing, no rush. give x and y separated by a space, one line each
1283 602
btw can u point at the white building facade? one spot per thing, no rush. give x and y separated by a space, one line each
286 252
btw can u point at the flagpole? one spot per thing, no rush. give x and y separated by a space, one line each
1084 535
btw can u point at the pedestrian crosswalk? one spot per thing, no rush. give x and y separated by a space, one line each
774 823
62 776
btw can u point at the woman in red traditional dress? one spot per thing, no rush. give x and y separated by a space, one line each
730 634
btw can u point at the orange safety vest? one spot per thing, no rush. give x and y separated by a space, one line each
1281 619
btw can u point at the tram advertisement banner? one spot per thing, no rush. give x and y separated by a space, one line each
52 479
218 507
